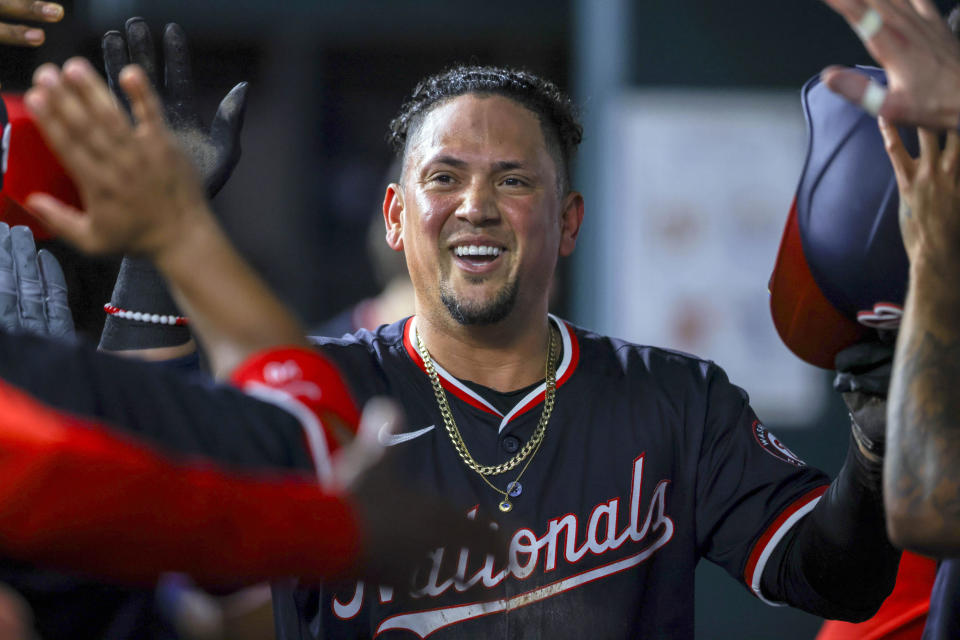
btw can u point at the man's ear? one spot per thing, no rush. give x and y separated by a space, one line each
571 217
393 216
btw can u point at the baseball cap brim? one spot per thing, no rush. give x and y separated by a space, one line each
807 322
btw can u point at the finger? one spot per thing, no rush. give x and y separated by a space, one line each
178 76
115 58
855 87
929 148
925 9
899 156
851 10
225 136
29 286
144 102
9 308
62 219
142 51
57 307
70 122
76 159
950 156
19 35
228 121
898 18
96 97
877 25
30 10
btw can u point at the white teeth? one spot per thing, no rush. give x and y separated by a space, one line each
477 250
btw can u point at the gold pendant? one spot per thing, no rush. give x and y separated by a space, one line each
505 505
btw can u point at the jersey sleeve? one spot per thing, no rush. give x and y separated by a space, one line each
175 411
309 386
751 489
76 496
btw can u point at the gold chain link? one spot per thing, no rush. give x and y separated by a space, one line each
454 432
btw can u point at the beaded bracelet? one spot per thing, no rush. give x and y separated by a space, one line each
139 316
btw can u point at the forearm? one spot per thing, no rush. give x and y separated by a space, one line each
922 474
838 562
232 311
178 412
76 496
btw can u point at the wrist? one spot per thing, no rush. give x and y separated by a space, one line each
186 242
871 450
935 273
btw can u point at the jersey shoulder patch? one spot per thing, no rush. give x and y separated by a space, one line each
772 445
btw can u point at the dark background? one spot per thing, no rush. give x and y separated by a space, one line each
326 78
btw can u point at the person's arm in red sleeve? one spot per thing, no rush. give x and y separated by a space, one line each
74 495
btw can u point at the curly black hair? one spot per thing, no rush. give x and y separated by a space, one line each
554 109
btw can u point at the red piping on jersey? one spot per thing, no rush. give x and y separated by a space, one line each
771 531
473 400
75 495
414 354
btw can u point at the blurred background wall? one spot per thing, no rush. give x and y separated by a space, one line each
695 99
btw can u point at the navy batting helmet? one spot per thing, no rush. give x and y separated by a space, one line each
841 271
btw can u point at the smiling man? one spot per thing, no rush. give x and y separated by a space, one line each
612 467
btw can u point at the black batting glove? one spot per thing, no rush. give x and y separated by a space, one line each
33 290
215 151
863 377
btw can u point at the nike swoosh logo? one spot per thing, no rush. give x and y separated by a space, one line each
389 439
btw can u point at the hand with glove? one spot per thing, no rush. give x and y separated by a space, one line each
215 152
863 377
33 292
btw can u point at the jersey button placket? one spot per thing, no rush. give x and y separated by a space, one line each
510 444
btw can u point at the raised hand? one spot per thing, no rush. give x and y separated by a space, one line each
21 35
920 54
929 196
214 150
33 291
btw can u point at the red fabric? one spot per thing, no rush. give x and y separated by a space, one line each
904 612
305 376
32 167
75 496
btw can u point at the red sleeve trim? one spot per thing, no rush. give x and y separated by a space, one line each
303 382
76 496
757 560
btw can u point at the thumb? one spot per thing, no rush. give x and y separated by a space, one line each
228 121
62 219
380 414
225 137
856 88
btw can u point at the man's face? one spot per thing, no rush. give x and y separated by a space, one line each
478 213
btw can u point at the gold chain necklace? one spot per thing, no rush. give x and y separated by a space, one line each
526 452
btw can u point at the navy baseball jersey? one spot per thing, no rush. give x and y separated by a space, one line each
651 460
943 621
